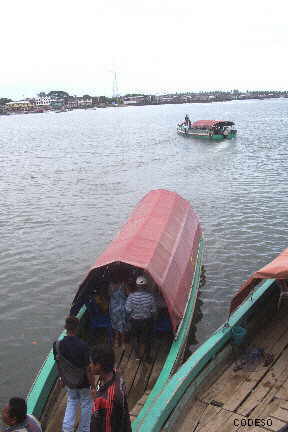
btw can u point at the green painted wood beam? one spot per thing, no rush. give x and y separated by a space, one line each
168 398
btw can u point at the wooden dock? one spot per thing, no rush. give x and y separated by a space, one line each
238 396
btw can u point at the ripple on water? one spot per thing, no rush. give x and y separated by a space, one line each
68 182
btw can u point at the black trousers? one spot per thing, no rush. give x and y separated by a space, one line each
141 332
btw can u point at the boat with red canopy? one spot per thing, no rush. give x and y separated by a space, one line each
276 270
237 379
212 129
162 241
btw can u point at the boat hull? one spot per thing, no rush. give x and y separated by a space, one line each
203 366
43 394
179 227
206 135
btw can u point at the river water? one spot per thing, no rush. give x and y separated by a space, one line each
68 181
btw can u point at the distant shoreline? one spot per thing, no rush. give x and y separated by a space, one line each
41 110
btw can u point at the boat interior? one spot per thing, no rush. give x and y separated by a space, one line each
139 376
251 381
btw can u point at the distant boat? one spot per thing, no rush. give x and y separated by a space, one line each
211 129
162 239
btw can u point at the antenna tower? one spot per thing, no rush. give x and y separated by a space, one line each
115 86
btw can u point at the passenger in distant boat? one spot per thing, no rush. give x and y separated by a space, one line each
110 408
15 416
187 120
141 309
74 372
117 310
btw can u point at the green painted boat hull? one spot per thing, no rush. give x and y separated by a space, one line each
46 379
189 374
209 137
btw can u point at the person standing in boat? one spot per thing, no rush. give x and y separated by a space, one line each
110 408
141 309
72 359
15 416
187 121
117 311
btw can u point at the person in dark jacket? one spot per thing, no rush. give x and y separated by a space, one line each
110 408
76 351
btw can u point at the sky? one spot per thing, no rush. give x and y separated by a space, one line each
154 46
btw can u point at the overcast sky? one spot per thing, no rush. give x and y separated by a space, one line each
155 46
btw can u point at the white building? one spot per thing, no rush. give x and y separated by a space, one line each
43 101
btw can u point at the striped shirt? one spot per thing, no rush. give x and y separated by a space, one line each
140 305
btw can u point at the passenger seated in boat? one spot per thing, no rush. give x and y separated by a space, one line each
118 317
141 309
101 301
15 416
98 313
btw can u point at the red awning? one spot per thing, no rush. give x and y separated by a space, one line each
161 237
211 123
277 269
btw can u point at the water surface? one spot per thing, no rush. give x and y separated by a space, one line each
68 181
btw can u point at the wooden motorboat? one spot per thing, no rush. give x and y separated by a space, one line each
163 240
211 129
231 384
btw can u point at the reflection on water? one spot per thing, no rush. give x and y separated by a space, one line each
68 182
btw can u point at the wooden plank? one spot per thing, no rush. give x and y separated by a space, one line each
282 392
270 380
161 355
124 359
276 425
129 373
189 399
266 409
56 419
136 409
217 422
234 397
272 396
208 415
140 382
193 417
228 425
248 429
281 414
147 373
284 404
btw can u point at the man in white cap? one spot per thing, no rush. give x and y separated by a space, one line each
141 309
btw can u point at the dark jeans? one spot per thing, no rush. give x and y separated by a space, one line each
142 332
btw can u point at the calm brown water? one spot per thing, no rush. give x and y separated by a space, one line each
68 181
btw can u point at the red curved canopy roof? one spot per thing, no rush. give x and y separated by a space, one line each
277 269
211 123
161 237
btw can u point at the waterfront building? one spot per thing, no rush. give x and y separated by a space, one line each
22 105
44 101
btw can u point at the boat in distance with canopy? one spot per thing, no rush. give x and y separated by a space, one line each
163 241
211 129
